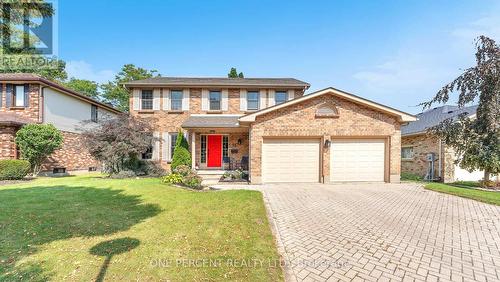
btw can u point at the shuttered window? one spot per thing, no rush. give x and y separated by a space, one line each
215 100
176 100
280 97
147 100
19 96
253 100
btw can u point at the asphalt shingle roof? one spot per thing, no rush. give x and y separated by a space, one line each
219 81
433 117
211 122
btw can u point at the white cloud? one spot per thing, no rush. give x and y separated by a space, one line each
84 70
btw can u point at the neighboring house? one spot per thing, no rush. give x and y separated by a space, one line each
29 98
268 127
416 144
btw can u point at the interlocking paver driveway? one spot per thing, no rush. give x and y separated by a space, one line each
383 232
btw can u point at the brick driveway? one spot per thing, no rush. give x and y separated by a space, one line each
383 232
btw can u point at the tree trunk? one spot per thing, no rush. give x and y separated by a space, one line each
486 176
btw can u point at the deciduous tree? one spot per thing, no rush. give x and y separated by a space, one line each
114 92
119 141
476 140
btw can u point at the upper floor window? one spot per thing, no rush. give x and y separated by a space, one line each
253 100
93 113
19 96
215 100
280 97
147 100
176 100
407 152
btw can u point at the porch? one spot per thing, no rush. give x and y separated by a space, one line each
218 143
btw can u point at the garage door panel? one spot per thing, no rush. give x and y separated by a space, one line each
290 160
357 160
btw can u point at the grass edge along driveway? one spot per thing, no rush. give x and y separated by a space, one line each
490 197
93 228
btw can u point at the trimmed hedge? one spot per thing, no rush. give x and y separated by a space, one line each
13 169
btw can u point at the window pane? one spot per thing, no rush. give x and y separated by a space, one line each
253 100
225 146
19 96
280 97
407 152
93 113
176 100
147 99
214 97
173 140
148 154
203 149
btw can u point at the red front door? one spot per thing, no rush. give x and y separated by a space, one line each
214 151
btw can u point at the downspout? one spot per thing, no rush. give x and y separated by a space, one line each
440 161
41 99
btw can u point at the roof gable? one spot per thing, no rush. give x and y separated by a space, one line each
402 116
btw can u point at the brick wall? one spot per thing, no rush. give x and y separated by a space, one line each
422 145
32 111
7 147
72 155
300 120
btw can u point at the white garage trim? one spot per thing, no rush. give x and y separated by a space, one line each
353 160
291 160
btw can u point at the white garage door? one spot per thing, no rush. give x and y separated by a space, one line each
357 160
290 160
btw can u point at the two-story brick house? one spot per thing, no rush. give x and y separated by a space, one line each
268 126
29 98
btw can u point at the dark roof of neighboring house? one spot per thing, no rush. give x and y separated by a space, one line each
30 77
7 118
219 81
435 116
207 121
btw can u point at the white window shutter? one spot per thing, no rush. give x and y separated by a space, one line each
243 100
136 100
166 99
291 94
185 100
165 152
225 98
271 101
262 99
156 146
156 99
204 100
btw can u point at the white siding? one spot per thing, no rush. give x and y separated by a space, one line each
66 112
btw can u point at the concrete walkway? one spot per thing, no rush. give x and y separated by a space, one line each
382 232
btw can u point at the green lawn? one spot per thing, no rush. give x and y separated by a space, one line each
461 190
91 228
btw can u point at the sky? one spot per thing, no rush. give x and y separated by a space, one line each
398 53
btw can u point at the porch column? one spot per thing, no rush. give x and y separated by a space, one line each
193 150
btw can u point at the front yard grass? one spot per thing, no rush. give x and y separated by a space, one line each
461 190
93 228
